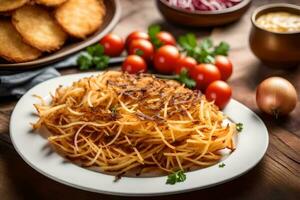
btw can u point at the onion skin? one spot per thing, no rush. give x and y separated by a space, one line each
276 96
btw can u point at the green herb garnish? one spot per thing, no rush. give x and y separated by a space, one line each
84 62
206 53
139 52
221 165
94 57
222 49
203 52
95 50
152 32
113 109
188 44
239 127
185 79
176 177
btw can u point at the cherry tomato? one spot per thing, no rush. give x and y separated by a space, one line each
204 74
225 66
185 62
113 44
136 35
220 92
166 38
134 64
141 46
165 59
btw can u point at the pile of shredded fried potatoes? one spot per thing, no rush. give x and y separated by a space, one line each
119 122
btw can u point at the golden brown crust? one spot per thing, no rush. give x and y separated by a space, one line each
80 18
38 28
50 2
8 5
12 47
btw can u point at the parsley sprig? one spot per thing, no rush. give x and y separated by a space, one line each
153 30
139 52
94 57
239 127
183 77
203 52
222 165
176 177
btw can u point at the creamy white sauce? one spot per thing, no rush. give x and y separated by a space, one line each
279 22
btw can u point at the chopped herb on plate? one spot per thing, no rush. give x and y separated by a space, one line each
222 165
176 177
239 127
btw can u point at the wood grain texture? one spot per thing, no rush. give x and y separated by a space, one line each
277 176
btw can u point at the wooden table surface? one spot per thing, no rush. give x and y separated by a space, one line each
277 176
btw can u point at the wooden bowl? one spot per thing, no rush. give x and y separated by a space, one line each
202 18
273 48
113 12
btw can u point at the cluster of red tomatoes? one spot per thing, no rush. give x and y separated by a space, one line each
209 78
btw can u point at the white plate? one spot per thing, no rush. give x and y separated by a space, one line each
251 147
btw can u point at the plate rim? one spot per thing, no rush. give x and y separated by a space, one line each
44 61
82 187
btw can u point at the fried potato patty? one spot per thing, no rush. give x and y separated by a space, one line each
12 47
38 28
80 18
50 2
8 5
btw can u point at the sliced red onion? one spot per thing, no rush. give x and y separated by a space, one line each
235 1
217 5
199 5
203 5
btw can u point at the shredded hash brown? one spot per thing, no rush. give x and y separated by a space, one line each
118 122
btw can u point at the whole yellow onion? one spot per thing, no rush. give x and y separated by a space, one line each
276 96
